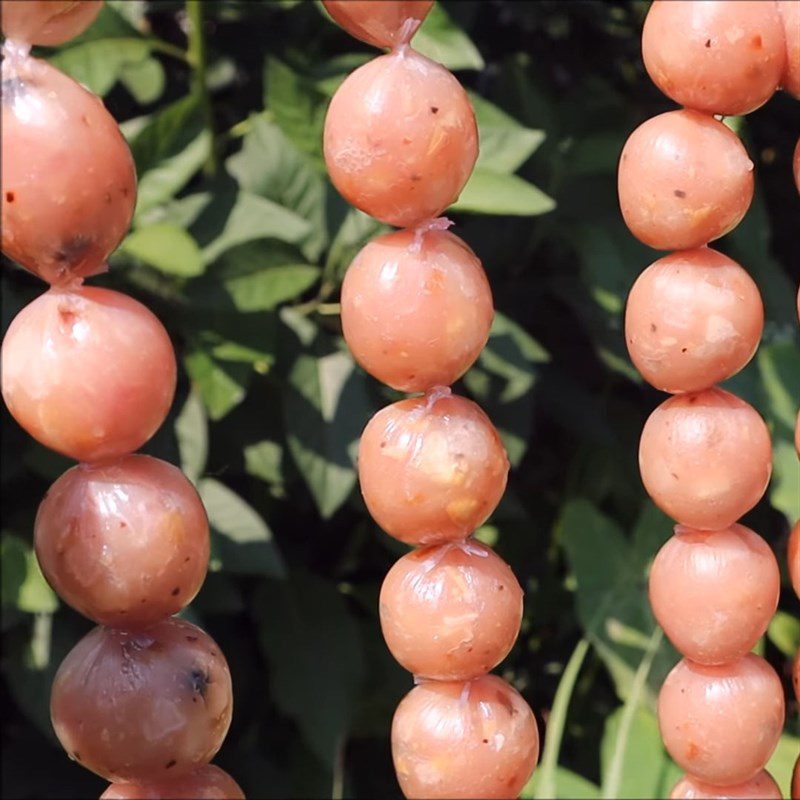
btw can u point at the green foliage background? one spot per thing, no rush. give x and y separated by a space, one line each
239 244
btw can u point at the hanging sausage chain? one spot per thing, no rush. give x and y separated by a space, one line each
694 318
400 142
144 699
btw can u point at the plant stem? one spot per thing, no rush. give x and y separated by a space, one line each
337 789
613 778
168 49
196 55
546 787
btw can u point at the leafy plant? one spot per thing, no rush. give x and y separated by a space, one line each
240 243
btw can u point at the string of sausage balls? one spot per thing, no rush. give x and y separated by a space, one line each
400 142
695 318
793 549
144 700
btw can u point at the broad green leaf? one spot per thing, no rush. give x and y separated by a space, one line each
191 431
505 144
502 381
166 132
167 248
567 784
783 490
612 589
297 106
100 63
749 244
267 288
608 267
610 261
233 218
782 763
169 149
329 75
260 275
784 633
145 80
510 353
233 337
314 653
132 11
241 541
442 40
24 585
779 367
265 460
489 192
647 771
269 165
221 388
356 230
166 179
325 407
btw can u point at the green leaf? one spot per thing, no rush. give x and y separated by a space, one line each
145 80
24 585
167 248
168 151
502 381
260 275
231 336
265 460
330 74
356 230
166 133
506 144
298 107
99 64
233 218
566 784
611 583
489 192
241 541
166 179
325 407
779 367
314 653
647 770
782 763
132 11
222 388
442 40
270 166
749 244
783 493
191 431
784 633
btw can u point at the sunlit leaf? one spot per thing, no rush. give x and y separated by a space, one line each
242 542
489 192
